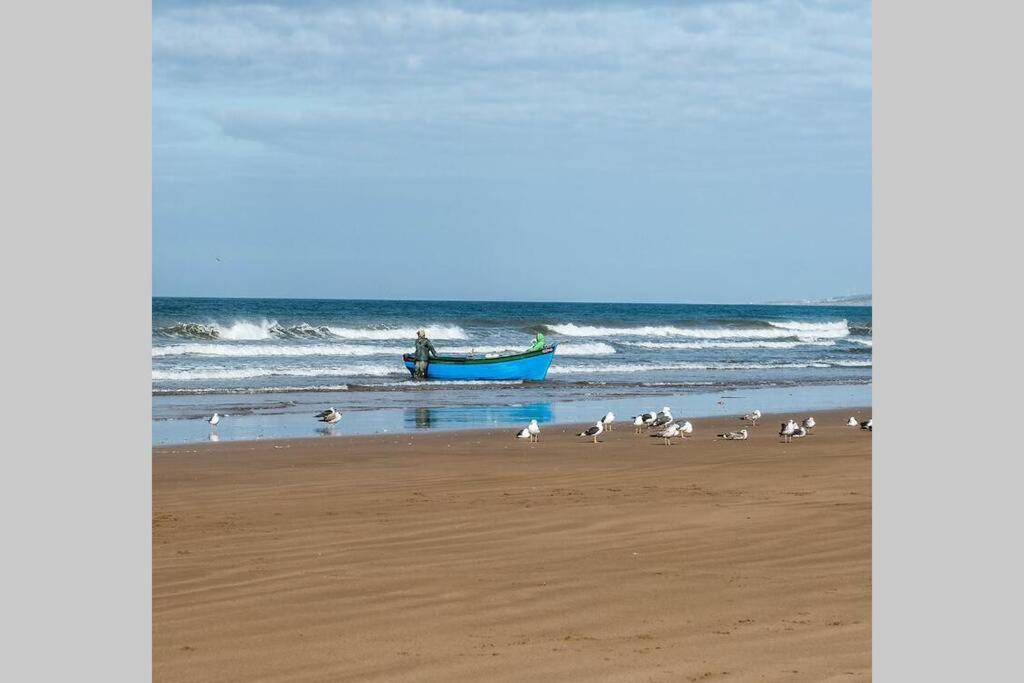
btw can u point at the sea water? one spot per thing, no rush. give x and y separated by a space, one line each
270 363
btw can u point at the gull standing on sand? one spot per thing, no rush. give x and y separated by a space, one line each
752 417
809 423
671 432
800 432
594 431
852 422
867 425
607 420
662 418
214 420
638 424
530 431
734 436
685 429
787 430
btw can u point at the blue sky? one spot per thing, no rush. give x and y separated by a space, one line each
689 151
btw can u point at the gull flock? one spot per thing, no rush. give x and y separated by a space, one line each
662 423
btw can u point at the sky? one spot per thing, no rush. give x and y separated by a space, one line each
703 152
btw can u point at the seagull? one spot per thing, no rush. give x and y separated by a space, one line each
607 420
809 423
800 432
786 431
530 431
663 418
668 434
331 418
594 431
638 423
685 429
650 417
752 418
325 413
867 425
214 420
734 436
852 422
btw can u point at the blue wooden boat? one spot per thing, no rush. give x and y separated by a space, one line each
530 365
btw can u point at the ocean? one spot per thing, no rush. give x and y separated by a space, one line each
269 363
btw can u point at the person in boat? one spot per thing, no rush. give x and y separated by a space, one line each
538 343
424 352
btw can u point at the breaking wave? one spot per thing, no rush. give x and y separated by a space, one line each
264 350
208 373
729 344
248 330
774 330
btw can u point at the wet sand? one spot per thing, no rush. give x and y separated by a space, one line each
476 556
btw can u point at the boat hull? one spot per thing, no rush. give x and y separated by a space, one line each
531 366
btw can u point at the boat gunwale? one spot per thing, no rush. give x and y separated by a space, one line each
456 360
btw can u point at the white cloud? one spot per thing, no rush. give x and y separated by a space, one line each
257 69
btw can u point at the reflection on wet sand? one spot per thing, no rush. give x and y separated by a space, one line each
467 416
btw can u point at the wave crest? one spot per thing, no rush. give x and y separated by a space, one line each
776 330
258 330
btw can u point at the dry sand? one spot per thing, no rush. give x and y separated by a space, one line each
475 556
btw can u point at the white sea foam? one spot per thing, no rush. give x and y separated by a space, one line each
730 344
682 365
258 350
584 349
802 331
433 332
297 350
860 340
835 328
263 329
245 330
208 373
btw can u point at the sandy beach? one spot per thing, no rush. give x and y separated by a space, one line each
475 556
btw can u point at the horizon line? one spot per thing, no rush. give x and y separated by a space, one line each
531 301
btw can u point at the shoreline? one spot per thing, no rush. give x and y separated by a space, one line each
471 555
181 423
621 424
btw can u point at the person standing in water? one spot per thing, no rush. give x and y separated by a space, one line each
424 352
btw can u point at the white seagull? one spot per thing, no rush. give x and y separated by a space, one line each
530 431
669 433
331 418
594 431
638 424
867 425
662 418
734 436
800 432
786 431
852 422
809 423
752 417
685 429
607 420
325 413
214 420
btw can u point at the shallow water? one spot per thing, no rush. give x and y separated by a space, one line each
296 419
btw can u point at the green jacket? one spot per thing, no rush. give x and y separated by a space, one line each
424 349
538 343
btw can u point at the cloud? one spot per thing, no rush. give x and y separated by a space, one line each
283 74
